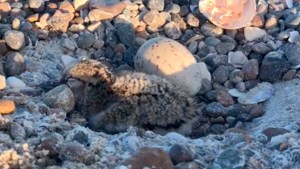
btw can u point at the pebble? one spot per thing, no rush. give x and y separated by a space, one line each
180 153
224 47
258 21
172 30
214 110
126 34
292 21
192 20
271 22
4 9
221 74
68 60
16 83
16 24
236 76
2 82
86 40
33 18
253 33
147 157
220 96
209 29
102 9
14 64
17 132
230 159
172 8
212 41
60 97
154 23
289 75
80 4
75 152
59 21
261 48
251 69
14 39
238 59
36 5
291 51
215 60
3 48
174 137
7 107
273 67
157 5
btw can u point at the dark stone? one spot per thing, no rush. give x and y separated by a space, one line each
14 64
129 54
291 51
214 110
215 60
272 132
85 40
230 159
221 74
126 34
180 153
224 47
217 128
261 48
250 70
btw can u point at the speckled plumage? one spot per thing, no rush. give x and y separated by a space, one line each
114 102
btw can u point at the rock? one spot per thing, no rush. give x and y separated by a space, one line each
132 143
172 8
33 18
272 132
289 75
157 5
236 76
16 24
180 153
126 34
7 107
154 23
193 47
292 21
4 9
291 52
172 30
188 165
68 60
262 92
212 41
258 21
261 48
17 132
80 4
214 110
221 74
68 44
209 29
60 21
251 69
255 111
36 5
2 82
253 33
103 9
3 48
52 143
60 97
176 64
150 158
14 39
174 137
14 64
238 58
205 74
294 37
230 159
215 60
14 82
86 40
66 6
75 152
273 67
192 20
76 28
220 96
43 21
271 22
178 20
224 47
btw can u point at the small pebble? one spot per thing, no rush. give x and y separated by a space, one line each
7 107
16 83
14 39
2 82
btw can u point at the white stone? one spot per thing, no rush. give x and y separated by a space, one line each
289 3
174 137
68 60
294 36
205 74
2 82
238 58
253 33
171 60
15 82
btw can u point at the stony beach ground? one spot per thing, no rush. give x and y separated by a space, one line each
248 101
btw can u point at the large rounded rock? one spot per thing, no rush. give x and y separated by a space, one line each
60 97
171 60
14 39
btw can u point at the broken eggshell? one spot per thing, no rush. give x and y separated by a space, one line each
235 22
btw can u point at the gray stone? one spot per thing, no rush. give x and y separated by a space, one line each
180 153
192 20
251 70
261 48
157 5
236 76
172 8
214 110
212 41
221 74
14 64
215 60
230 159
60 97
85 40
292 51
209 29
224 47
126 34
273 67
14 39
292 21
238 58
172 30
